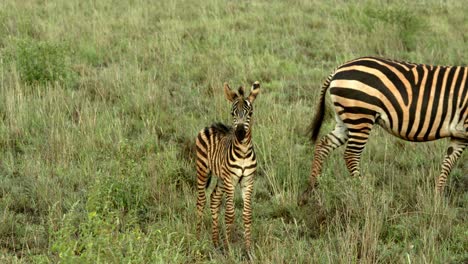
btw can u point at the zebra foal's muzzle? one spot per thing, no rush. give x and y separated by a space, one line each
240 131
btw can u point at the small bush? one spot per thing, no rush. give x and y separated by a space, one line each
81 240
125 193
42 62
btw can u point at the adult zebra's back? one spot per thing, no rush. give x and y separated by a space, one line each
415 102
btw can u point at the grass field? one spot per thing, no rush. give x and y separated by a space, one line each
100 103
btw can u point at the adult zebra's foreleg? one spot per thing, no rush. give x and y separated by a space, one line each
454 152
326 145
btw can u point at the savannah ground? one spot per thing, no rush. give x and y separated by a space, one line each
100 102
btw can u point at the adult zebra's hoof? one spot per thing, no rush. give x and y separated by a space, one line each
304 198
249 256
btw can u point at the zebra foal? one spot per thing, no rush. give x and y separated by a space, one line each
227 152
415 102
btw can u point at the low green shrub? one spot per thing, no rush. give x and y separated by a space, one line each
41 62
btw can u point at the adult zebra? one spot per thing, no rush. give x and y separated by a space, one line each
228 153
414 102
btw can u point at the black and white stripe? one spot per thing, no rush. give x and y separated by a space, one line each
227 152
414 102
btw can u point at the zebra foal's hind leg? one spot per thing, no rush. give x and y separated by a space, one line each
454 152
326 145
203 178
215 205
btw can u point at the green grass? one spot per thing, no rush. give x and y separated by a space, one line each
100 102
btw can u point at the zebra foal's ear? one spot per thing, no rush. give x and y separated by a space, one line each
241 91
230 94
254 91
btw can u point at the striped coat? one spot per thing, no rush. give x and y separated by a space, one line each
414 102
227 152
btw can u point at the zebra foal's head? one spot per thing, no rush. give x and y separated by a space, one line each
242 108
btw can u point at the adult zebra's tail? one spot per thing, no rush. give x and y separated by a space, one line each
314 127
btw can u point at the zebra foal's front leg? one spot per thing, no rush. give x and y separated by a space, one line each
247 189
229 213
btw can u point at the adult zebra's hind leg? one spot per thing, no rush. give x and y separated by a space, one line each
326 145
356 143
454 152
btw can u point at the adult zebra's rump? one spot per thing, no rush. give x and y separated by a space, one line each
414 102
